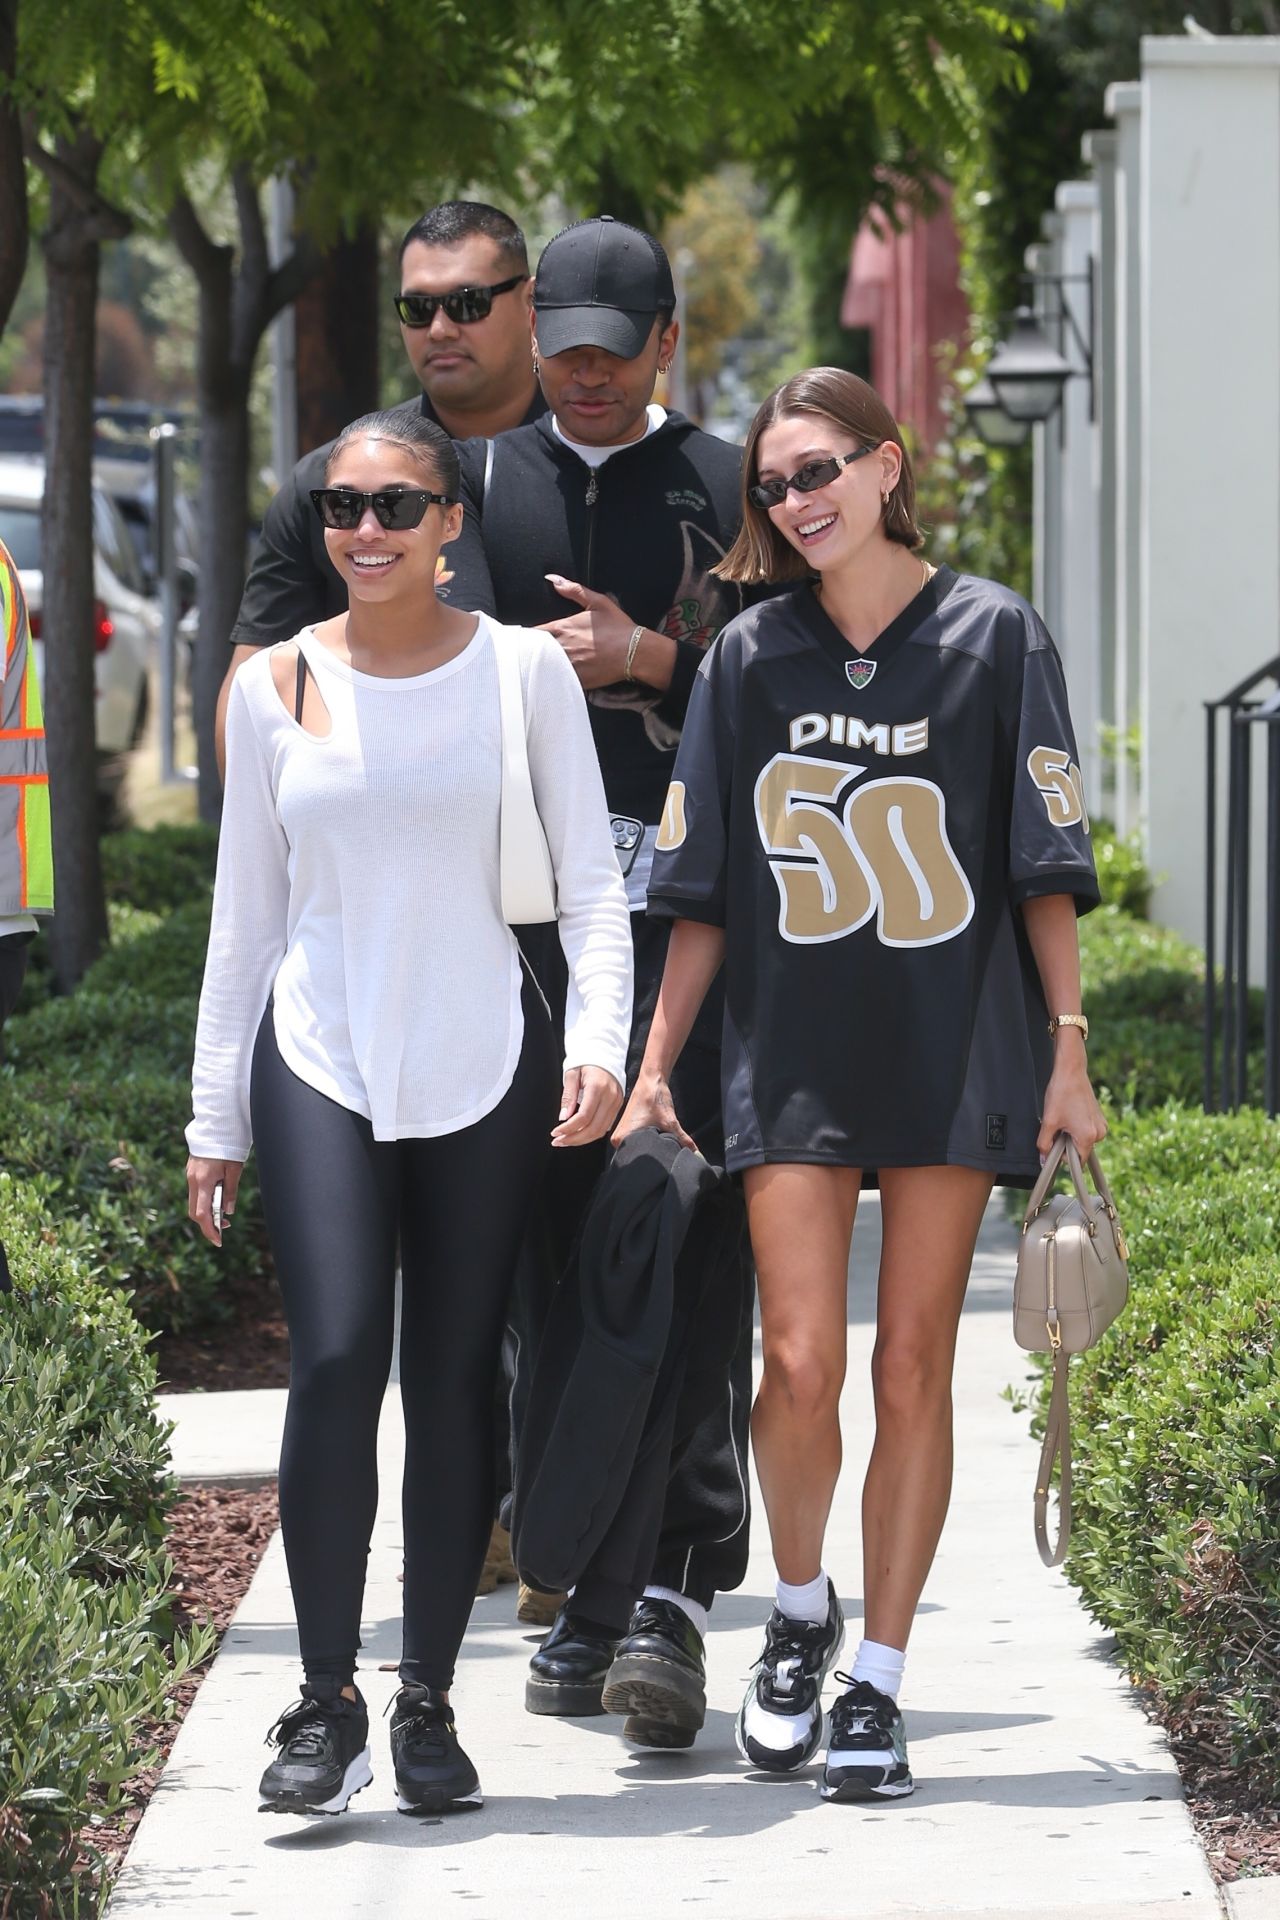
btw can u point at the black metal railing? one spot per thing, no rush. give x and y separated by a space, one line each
1227 1025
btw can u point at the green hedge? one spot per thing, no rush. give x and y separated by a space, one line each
1144 994
147 873
87 1655
1124 878
1177 1530
97 1091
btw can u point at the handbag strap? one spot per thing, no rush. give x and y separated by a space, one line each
1056 1448
1065 1147
517 781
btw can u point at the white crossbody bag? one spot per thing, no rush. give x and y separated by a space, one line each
528 878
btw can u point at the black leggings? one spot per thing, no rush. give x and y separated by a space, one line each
336 1202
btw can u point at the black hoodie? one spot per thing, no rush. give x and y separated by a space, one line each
646 527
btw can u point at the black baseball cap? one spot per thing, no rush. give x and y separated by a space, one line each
599 284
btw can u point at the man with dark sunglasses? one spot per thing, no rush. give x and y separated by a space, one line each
463 306
602 522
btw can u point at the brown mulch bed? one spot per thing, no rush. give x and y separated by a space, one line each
217 1535
248 1349
1238 1828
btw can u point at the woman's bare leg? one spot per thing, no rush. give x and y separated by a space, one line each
931 1217
801 1220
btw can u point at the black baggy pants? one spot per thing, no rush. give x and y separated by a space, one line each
702 1529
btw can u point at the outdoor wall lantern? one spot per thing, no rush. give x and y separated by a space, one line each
1027 371
993 426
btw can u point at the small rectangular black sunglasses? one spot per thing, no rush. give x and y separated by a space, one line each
397 508
463 305
808 478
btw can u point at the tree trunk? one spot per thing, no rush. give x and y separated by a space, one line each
224 521
71 251
13 174
237 304
336 321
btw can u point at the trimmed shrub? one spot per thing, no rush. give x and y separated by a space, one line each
97 1092
87 1655
1176 1545
1123 875
160 868
1144 993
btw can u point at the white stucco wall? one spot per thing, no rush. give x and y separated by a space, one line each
1124 105
1078 634
1210 508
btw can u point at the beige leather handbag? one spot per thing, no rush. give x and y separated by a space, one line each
1071 1282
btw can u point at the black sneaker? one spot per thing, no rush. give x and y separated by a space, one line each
432 1771
867 1752
567 1673
324 1754
659 1676
779 1723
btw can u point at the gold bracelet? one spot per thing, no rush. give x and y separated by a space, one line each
1057 1020
637 635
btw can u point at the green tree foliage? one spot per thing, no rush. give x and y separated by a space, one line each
833 107
589 97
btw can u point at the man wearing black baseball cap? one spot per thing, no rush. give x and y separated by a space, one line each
621 508
601 284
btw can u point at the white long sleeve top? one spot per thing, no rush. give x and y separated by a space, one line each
358 890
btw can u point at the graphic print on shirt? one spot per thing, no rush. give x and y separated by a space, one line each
1061 786
702 605
886 852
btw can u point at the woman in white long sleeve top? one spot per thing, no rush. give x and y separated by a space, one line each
367 1024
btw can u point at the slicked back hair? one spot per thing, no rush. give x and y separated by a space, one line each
426 443
454 221
761 553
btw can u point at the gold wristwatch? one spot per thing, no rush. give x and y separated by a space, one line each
1057 1020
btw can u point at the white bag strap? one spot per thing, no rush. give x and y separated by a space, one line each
526 876
489 446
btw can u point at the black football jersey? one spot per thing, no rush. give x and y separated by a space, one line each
863 827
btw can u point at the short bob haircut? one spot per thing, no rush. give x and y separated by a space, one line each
760 553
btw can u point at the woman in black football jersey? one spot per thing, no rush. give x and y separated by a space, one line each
876 824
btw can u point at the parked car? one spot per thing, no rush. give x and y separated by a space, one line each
124 467
125 621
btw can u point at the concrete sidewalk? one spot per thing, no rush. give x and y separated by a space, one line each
1044 1793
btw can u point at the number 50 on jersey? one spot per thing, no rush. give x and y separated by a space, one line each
840 857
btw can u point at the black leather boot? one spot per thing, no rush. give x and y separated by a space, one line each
659 1677
566 1674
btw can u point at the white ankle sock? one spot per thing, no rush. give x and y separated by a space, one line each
692 1608
881 1666
809 1602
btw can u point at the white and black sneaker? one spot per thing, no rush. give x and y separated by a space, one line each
432 1772
324 1754
867 1752
780 1722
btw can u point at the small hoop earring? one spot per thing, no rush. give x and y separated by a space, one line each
664 367
537 364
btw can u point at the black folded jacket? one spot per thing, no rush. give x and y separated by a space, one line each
656 1269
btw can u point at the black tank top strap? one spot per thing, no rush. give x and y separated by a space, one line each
302 686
